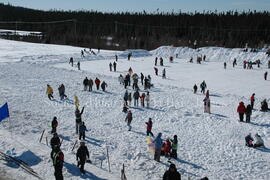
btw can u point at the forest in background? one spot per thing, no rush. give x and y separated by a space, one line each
125 30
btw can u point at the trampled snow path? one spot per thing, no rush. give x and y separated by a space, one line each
209 145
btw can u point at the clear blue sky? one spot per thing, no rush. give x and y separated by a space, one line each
147 5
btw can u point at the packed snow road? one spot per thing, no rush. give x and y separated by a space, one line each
209 145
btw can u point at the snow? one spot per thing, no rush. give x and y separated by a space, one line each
209 145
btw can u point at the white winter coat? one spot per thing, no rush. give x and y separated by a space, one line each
147 98
259 140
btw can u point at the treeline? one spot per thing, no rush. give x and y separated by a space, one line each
124 30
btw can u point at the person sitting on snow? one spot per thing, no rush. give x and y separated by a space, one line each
264 106
259 141
249 140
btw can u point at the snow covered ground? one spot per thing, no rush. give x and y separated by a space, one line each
209 145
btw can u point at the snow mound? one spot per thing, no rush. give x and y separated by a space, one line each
135 53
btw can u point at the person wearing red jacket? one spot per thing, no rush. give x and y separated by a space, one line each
142 97
97 82
149 125
241 110
167 148
252 100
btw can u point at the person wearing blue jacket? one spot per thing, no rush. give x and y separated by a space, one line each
158 145
82 130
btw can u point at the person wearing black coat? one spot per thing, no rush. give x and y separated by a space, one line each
81 156
78 115
172 173
136 96
249 140
57 157
110 65
82 130
85 83
103 85
126 97
114 66
142 78
54 124
55 141
195 88
248 112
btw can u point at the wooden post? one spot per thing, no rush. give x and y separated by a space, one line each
41 136
108 159
74 145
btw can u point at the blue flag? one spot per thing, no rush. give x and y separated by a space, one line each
4 112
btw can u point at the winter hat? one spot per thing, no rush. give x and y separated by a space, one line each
172 166
54 118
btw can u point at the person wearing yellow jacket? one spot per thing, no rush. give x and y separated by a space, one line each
49 91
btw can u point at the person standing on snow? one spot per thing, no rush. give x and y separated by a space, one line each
97 82
114 66
57 157
90 83
167 148
203 87
62 90
116 57
248 112
136 96
129 56
241 110
54 125
104 85
85 84
234 62
121 79
195 89
129 119
126 97
82 130
164 73
55 141
129 98
172 174
128 79
265 76
79 65
207 103
81 156
161 61
174 147
149 125
147 99
225 65
71 61
252 100
49 91
142 97
158 145
156 71
110 65
142 78
78 115
156 61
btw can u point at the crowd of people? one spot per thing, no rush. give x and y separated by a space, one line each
141 93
